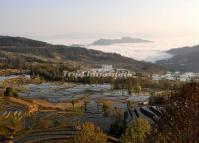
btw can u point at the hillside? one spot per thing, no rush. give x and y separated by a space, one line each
33 51
184 59
20 41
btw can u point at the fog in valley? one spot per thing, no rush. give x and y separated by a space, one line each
150 52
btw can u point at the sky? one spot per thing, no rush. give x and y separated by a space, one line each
58 19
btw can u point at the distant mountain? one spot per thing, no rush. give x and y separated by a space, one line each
34 51
184 59
118 41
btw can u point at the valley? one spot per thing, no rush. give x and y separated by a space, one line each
48 93
53 110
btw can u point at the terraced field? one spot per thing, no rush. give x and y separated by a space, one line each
39 136
55 110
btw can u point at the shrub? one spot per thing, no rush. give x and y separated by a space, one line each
10 92
89 133
106 106
117 128
129 104
136 132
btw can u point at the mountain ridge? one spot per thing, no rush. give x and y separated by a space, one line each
61 53
184 59
119 41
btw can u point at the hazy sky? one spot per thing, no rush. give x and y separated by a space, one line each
87 18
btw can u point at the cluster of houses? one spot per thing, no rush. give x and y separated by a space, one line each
186 76
104 71
109 71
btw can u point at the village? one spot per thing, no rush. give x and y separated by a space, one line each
109 71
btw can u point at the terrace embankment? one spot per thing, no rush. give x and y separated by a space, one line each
31 106
36 104
7 72
58 106
19 81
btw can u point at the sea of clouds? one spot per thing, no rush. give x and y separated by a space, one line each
149 52
139 51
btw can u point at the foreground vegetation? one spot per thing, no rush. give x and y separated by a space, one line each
178 122
89 133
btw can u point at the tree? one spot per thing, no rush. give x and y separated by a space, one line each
129 104
86 105
138 89
136 132
73 103
117 114
106 106
179 120
89 133
118 126
10 92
